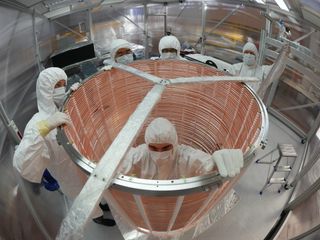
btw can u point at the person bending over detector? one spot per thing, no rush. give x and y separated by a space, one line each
39 149
161 157
169 48
249 67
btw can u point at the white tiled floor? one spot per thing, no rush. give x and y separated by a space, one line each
254 215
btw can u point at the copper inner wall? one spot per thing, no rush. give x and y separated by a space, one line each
207 117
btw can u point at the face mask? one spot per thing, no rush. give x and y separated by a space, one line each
249 59
58 95
160 155
125 59
169 55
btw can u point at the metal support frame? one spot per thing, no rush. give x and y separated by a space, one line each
36 43
274 75
211 79
182 10
314 128
13 4
303 196
224 19
51 16
102 175
203 24
298 54
91 35
303 171
165 18
122 15
287 122
13 131
300 106
304 36
259 160
262 45
284 214
268 23
307 233
297 67
69 29
137 72
272 92
145 31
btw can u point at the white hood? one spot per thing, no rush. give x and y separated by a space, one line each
47 79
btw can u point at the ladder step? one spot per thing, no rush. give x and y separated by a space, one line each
277 180
287 150
283 168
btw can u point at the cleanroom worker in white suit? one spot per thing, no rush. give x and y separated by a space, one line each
161 157
169 48
121 52
39 149
249 67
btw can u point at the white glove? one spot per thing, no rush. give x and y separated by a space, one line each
75 86
57 119
229 161
106 68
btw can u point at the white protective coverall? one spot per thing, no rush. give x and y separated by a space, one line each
180 162
35 153
115 46
249 66
170 42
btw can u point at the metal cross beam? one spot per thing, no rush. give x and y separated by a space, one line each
102 177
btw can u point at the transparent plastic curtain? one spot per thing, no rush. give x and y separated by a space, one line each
23 206
295 90
70 30
106 27
127 22
110 22
307 215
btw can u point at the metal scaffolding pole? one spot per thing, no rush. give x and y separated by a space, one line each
224 19
304 36
314 128
145 31
91 36
268 23
300 106
303 196
69 29
36 44
262 45
304 170
203 24
165 18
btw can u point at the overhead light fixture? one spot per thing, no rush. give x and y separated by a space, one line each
261 1
282 5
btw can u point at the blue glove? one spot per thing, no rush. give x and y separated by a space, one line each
49 182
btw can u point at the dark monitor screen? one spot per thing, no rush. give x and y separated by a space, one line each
72 56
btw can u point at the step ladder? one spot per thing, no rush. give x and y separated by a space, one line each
285 151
